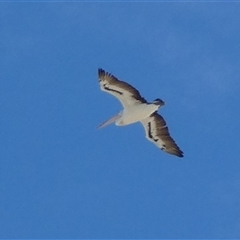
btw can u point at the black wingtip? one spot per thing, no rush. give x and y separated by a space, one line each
100 71
180 154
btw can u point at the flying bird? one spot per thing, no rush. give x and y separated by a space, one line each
137 109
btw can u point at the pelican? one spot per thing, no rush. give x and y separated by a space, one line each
137 109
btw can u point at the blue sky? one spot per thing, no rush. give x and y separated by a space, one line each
60 177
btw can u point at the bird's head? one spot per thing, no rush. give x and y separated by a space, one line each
158 102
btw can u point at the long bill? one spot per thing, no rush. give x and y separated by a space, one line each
109 121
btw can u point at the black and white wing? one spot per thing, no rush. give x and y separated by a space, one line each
126 93
157 132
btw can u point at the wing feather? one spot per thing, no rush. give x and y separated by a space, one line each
157 132
126 93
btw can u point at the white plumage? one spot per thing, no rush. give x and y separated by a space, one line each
136 109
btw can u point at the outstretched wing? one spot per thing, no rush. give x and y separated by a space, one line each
157 132
125 93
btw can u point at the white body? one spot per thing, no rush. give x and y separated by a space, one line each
135 113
